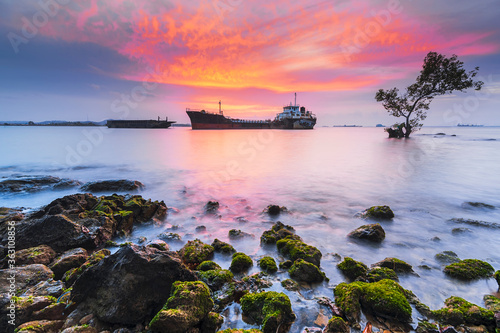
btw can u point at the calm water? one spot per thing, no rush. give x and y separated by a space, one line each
324 177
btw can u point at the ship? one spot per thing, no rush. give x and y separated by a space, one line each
140 123
469 125
293 116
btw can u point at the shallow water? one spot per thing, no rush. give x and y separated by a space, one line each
324 176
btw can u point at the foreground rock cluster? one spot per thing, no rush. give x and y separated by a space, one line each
67 281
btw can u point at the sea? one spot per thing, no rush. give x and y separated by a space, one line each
325 177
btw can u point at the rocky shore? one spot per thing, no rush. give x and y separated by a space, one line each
63 278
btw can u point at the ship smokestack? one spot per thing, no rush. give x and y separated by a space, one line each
295 99
220 108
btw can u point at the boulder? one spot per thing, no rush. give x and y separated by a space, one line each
70 259
235 234
296 249
469 269
41 326
336 325
46 288
122 185
397 265
35 183
378 212
72 274
458 311
278 231
208 265
215 278
25 277
212 207
268 265
303 271
240 262
275 210
290 285
130 285
353 269
497 278
447 257
372 232
222 247
195 252
42 254
376 274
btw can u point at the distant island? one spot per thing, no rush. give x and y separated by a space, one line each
54 123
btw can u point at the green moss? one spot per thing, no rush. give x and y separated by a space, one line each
195 252
111 243
304 271
427 327
459 311
347 298
268 265
447 257
215 278
387 299
469 269
296 249
379 212
278 231
286 264
497 277
395 264
225 248
208 265
240 263
492 303
71 275
379 273
290 285
336 325
352 269
269 309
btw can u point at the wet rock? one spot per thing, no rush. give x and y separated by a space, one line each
46 288
255 282
268 265
458 311
353 269
285 265
10 214
25 277
239 330
378 212
40 326
371 232
303 271
215 278
497 278
270 309
347 298
195 252
130 285
121 185
296 249
492 303
170 237
275 210
470 204
159 244
24 308
81 329
235 234
395 264
336 325
70 259
71 275
421 307
240 262
457 231
208 265
55 311
376 274
42 254
212 207
427 327
447 257
290 285
278 231
476 223
469 269
222 247
35 183
200 228
189 305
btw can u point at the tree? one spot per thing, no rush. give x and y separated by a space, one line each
439 76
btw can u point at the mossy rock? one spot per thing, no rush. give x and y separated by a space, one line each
170 237
379 212
387 299
275 210
477 205
186 308
40 326
492 303
215 278
353 269
447 257
285 265
212 206
397 265
371 232
212 322
380 273
278 231
347 296
458 311
208 265
71 275
41 254
257 281
268 265
497 277
303 271
240 263
235 234
270 309
469 269
427 327
296 249
222 247
290 285
195 252
336 325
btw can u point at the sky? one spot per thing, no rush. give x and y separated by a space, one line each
123 59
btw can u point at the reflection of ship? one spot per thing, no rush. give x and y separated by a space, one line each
469 125
139 123
292 117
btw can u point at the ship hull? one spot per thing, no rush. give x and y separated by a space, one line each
139 123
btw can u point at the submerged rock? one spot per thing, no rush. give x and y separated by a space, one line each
296 249
130 285
378 212
376 274
215 278
212 206
336 325
235 234
303 271
208 265
275 210
290 285
447 257
222 247
36 183
395 264
195 252
497 278
278 231
458 311
471 204
270 309
469 269
353 269
268 265
240 263
371 232
122 185
476 223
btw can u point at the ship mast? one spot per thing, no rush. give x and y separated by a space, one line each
295 99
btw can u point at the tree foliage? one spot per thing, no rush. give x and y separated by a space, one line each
439 76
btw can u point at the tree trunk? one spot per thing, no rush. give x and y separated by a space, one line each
407 127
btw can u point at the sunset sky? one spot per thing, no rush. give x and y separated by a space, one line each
102 59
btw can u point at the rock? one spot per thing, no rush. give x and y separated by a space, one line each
285 265
470 204
371 232
296 249
215 278
46 288
195 252
54 311
303 271
212 207
347 298
376 274
458 311
497 278
427 327
278 231
240 262
469 269
270 309
81 329
397 265
235 234
130 285
378 212
256 281
189 304
70 259
268 265
239 330
492 303
24 308
42 254
122 185
25 277
159 244
353 269
447 257
200 228
290 285
336 325
220 246
170 237
457 231
421 307
476 223
35 183
275 210
71 275
208 265
40 326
